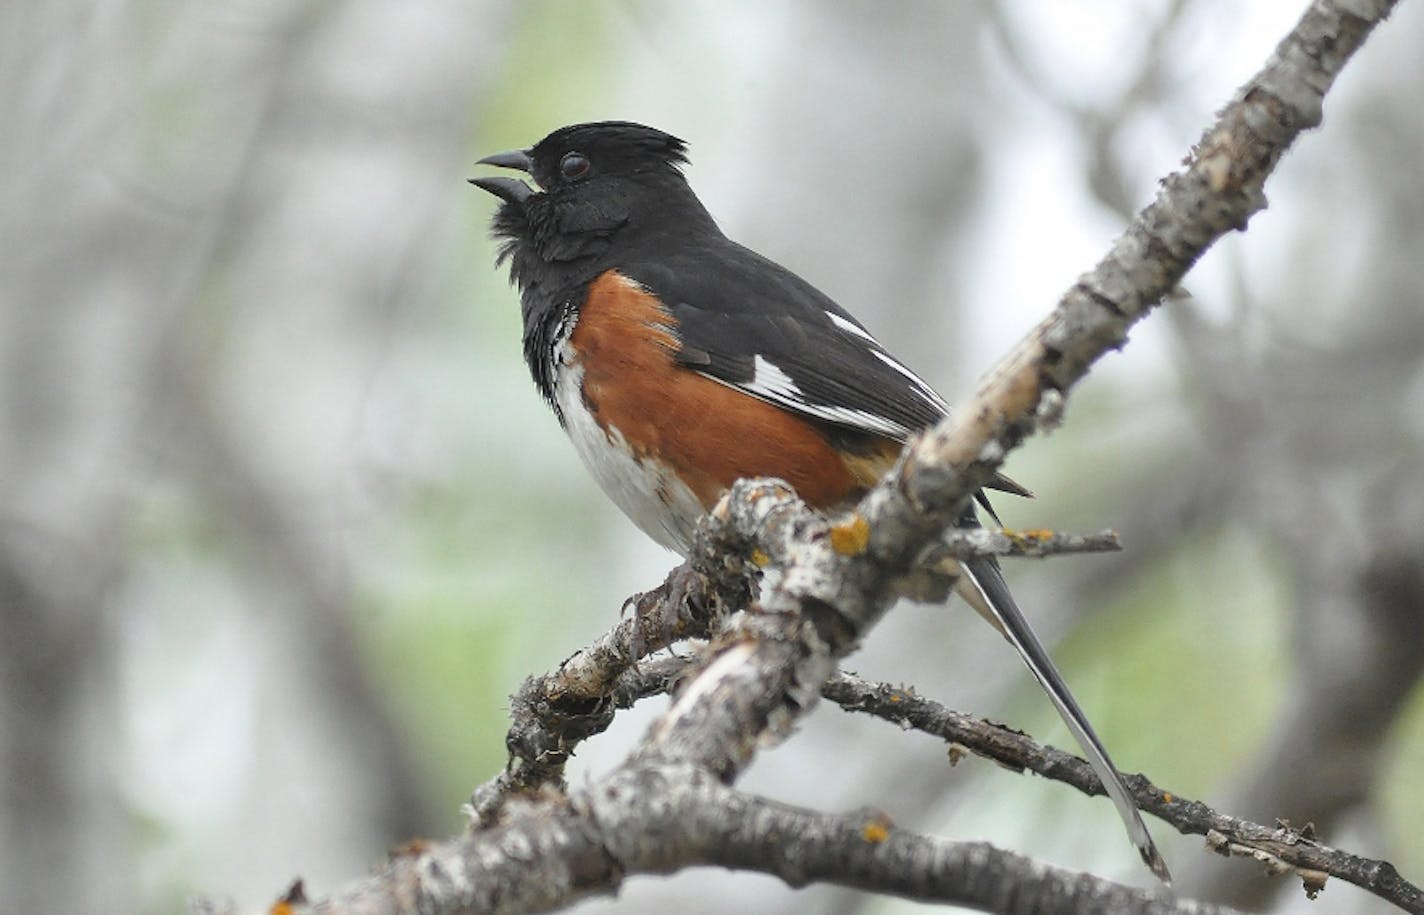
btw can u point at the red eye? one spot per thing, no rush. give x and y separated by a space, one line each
573 166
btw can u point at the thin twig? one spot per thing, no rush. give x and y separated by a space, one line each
1026 544
1281 846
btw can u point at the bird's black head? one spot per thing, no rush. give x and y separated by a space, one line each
585 153
596 182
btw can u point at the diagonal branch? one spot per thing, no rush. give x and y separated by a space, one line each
1219 189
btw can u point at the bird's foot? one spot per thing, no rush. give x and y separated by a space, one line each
662 616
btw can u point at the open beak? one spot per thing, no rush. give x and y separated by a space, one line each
510 190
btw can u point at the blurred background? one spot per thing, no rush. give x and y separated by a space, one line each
284 520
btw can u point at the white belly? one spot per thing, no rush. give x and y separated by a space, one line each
649 493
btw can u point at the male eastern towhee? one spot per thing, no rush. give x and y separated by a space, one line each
678 362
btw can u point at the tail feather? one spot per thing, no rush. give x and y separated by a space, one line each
983 587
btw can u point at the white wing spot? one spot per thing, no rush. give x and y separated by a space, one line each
772 384
852 328
921 387
858 419
770 381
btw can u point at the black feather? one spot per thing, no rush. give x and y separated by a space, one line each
733 305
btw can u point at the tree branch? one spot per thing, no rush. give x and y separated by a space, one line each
553 713
829 583
1281 847
552 853
1024 544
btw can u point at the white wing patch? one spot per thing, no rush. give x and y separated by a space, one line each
852 328
921 388
924 390
770 383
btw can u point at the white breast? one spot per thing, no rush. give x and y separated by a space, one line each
649 493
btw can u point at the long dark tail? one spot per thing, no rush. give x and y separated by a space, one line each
984 589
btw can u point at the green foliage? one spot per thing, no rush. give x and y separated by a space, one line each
1400 793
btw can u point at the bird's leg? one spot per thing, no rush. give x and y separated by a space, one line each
670 611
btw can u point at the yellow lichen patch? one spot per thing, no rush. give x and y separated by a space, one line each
876 831
760 559
851 537
295 896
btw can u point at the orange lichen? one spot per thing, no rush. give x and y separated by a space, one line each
851 537
876 831
295 896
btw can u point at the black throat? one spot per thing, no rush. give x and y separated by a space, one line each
558 243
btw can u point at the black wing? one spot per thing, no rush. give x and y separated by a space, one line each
749 323
752 324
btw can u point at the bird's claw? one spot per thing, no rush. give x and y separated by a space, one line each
660 615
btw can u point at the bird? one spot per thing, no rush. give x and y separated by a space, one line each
678 361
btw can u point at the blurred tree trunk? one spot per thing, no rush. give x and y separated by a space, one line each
169 567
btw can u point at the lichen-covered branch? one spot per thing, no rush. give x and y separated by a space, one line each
543 854
552 714
1281 848
1219 188
1027 544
